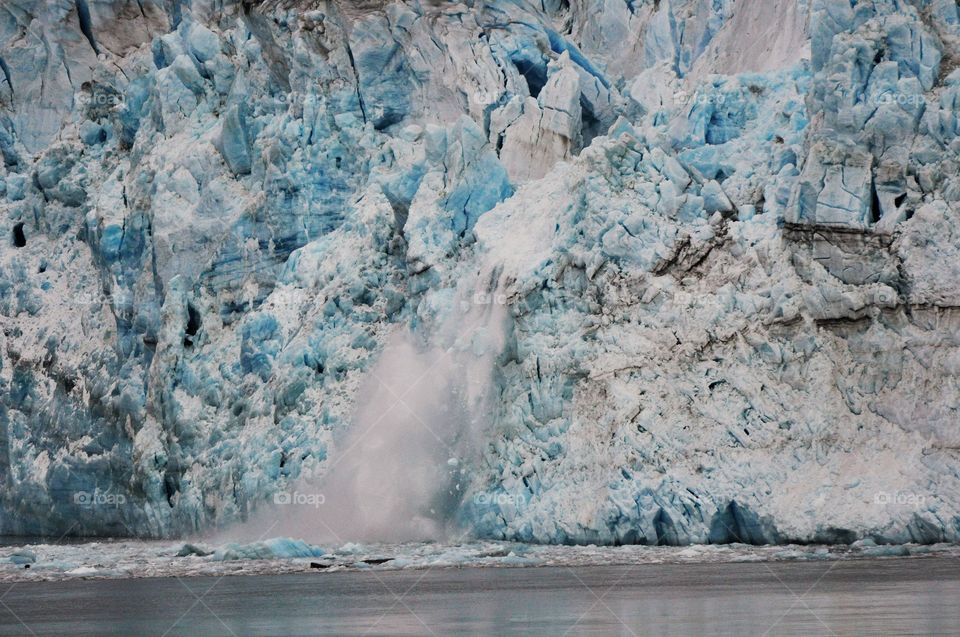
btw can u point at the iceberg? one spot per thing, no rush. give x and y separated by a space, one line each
272 549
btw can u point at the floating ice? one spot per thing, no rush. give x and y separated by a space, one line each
158 559
272 549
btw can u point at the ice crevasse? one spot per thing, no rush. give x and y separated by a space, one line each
725 235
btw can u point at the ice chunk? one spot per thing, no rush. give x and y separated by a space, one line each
272 549
22 556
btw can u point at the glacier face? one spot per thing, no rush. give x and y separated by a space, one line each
722 234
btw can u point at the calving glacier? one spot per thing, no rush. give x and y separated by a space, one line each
587 271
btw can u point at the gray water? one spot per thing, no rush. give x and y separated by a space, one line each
918 596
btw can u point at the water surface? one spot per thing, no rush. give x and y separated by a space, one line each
902 596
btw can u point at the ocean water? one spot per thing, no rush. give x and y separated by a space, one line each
846 596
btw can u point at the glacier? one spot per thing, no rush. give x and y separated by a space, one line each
713 246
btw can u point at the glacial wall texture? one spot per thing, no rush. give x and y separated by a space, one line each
726 233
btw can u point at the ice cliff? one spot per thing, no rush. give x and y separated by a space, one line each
724 237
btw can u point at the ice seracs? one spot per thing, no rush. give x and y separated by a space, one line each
722 237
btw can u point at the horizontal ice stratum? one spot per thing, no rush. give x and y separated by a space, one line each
689 270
